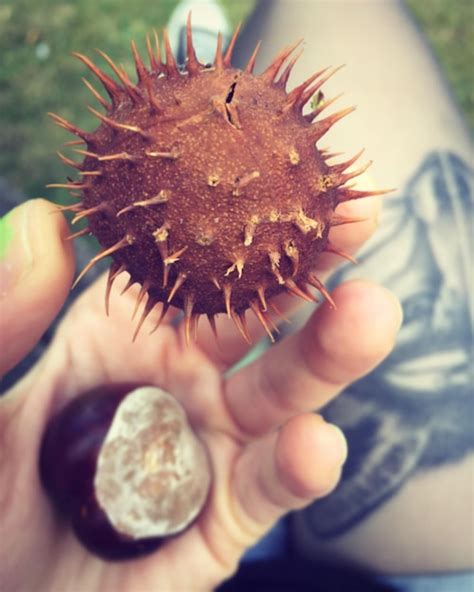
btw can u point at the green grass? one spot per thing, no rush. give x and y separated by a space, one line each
38 74
449 26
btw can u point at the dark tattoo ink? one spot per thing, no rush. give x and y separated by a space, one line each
415 411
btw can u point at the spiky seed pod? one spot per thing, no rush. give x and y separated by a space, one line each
205 184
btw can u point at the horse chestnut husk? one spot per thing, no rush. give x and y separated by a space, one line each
125 468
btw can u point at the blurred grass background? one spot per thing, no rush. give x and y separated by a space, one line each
449 27
37 73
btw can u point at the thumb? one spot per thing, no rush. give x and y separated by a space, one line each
36 270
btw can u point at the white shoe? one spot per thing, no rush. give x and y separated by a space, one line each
208 19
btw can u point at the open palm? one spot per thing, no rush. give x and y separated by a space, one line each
269 452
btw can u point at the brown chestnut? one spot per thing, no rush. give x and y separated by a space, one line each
125 468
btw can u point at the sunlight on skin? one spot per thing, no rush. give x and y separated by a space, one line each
256 480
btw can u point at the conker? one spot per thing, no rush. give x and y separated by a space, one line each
125 468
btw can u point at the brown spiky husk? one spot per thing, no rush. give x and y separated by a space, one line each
205 184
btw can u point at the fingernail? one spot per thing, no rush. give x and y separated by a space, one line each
337 443
16 254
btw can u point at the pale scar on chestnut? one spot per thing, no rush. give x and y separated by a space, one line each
206 185
124 467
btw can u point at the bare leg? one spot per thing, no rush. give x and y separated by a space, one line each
404 107
409 473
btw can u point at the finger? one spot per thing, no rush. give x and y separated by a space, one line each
346 238
283 471
308 368
36 270
287 470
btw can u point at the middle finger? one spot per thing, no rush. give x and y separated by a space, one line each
307 369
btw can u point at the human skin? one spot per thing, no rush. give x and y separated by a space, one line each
256 423
405 113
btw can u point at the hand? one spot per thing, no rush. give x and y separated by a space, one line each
269 452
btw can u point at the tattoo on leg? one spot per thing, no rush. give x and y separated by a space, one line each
414 411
